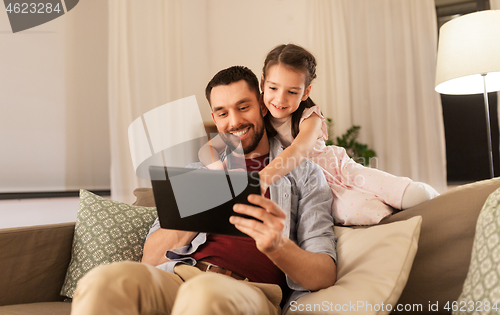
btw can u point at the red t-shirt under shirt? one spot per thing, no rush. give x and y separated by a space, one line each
240 254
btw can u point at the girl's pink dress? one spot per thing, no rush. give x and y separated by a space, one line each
361 195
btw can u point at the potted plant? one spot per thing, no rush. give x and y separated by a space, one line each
359 152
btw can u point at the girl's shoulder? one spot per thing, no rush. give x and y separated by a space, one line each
312 110
315 110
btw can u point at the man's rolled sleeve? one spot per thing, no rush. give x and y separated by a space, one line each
313 230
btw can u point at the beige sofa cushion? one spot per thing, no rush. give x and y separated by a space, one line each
373 267
445 245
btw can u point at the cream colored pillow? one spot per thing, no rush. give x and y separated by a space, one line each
373 267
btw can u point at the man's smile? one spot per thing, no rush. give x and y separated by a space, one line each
240 133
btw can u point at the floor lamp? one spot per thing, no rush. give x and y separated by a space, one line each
468 60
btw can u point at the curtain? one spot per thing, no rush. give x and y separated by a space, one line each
495 5
144 72
377 70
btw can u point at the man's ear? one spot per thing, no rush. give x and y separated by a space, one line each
306 93
263 108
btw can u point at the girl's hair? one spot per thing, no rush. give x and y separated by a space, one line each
297 58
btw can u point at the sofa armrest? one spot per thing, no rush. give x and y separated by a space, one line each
33 262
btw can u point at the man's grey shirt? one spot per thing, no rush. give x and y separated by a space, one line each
307 200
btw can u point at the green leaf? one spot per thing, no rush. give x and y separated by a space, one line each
356 150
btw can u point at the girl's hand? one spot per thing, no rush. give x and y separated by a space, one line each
238 170
263 188
217 165
268 234
264 181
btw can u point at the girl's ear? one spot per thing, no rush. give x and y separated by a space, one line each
262 82
306 93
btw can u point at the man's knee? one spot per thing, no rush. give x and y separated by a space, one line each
207 287
211 293
207 293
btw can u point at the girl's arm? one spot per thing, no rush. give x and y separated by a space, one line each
209 153
291 157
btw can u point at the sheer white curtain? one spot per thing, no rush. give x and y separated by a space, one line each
377 70
495 5
146 51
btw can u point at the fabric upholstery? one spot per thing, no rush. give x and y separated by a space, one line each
33 262
145 197
445 245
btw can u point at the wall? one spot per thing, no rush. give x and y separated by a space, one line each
87 124
54 130
32 106
28 212
53 103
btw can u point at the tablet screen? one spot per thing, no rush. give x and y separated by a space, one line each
201 200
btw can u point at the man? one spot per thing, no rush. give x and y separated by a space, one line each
297 213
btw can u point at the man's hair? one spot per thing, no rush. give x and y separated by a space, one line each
235 74
231 75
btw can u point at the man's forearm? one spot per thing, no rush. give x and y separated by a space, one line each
312 271
162 240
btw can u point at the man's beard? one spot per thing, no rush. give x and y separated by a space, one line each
232 142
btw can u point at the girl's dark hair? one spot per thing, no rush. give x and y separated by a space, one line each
297 58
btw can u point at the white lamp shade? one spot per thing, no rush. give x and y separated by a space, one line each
469 46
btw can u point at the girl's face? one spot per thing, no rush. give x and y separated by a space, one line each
284 88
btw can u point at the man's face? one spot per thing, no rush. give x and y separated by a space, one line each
237 111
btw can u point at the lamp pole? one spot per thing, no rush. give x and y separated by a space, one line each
488 129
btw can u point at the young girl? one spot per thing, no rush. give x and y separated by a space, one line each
362 196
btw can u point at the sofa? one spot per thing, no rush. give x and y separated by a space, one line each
34 260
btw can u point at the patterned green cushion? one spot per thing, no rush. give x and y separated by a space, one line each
481 290
106 231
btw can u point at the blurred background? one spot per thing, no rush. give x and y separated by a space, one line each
70 88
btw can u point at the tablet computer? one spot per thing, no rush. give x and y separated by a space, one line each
201 200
